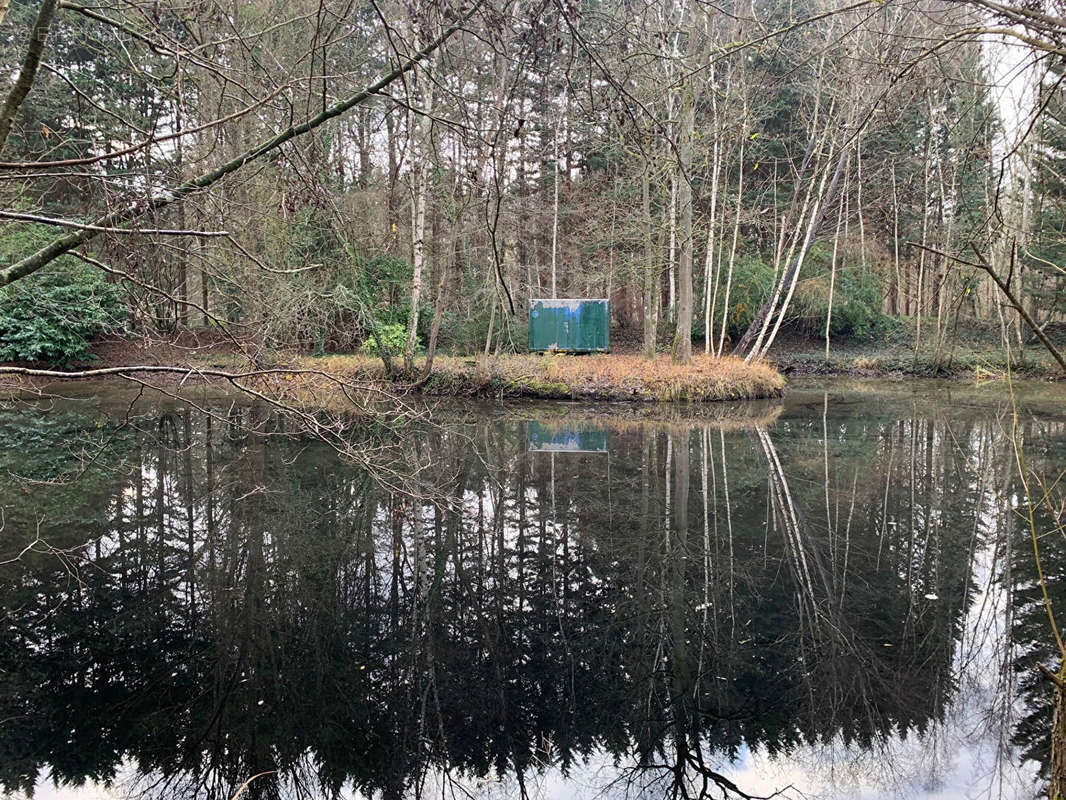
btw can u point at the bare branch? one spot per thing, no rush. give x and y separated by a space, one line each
81 226
65 244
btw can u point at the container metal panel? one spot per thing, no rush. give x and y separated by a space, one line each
571 325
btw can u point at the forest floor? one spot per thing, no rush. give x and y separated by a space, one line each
974 351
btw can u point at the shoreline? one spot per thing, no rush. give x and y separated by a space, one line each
599 377
967 367
611 377
311 380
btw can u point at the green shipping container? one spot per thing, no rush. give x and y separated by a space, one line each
570 326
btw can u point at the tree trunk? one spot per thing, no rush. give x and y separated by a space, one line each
833 270
438 309
708 299
422 149
732 250
671 253
1057 772
651 269
769 310
137 210
683 335
555 205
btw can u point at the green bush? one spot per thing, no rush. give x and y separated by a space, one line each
460 333
753 280
463 334
856 304
858 311
393 339
53 314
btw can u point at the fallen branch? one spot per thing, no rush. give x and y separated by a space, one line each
1003 287
1051 676
185 371
149 141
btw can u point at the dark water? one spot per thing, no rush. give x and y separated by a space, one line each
833 593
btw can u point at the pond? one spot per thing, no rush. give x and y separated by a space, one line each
832 595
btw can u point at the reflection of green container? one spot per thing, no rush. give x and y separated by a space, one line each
572 326
586 438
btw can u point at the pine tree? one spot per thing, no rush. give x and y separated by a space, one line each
1046 254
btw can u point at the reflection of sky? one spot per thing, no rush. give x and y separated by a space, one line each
585 439
567 440
91 791
956 767
946 764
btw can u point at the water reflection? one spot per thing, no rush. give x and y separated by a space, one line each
199 605
567 437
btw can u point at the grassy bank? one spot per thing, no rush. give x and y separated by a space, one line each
568 377
314 380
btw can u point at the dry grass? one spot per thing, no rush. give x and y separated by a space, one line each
343 382
592 377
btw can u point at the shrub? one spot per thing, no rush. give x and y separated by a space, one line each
393 339
53 314
856 303
753 280
858 311
460 333
331 307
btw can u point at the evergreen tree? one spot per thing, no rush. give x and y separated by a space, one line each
1046 254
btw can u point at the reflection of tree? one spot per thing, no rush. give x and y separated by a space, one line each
254 604
1043 445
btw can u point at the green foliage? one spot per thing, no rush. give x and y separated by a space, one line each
856 311
384 285
393 339
54 314
461 333
333 306
856 306
1045 282
753 280
466 333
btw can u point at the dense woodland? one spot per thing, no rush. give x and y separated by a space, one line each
404 177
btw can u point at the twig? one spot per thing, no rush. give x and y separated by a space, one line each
64 244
